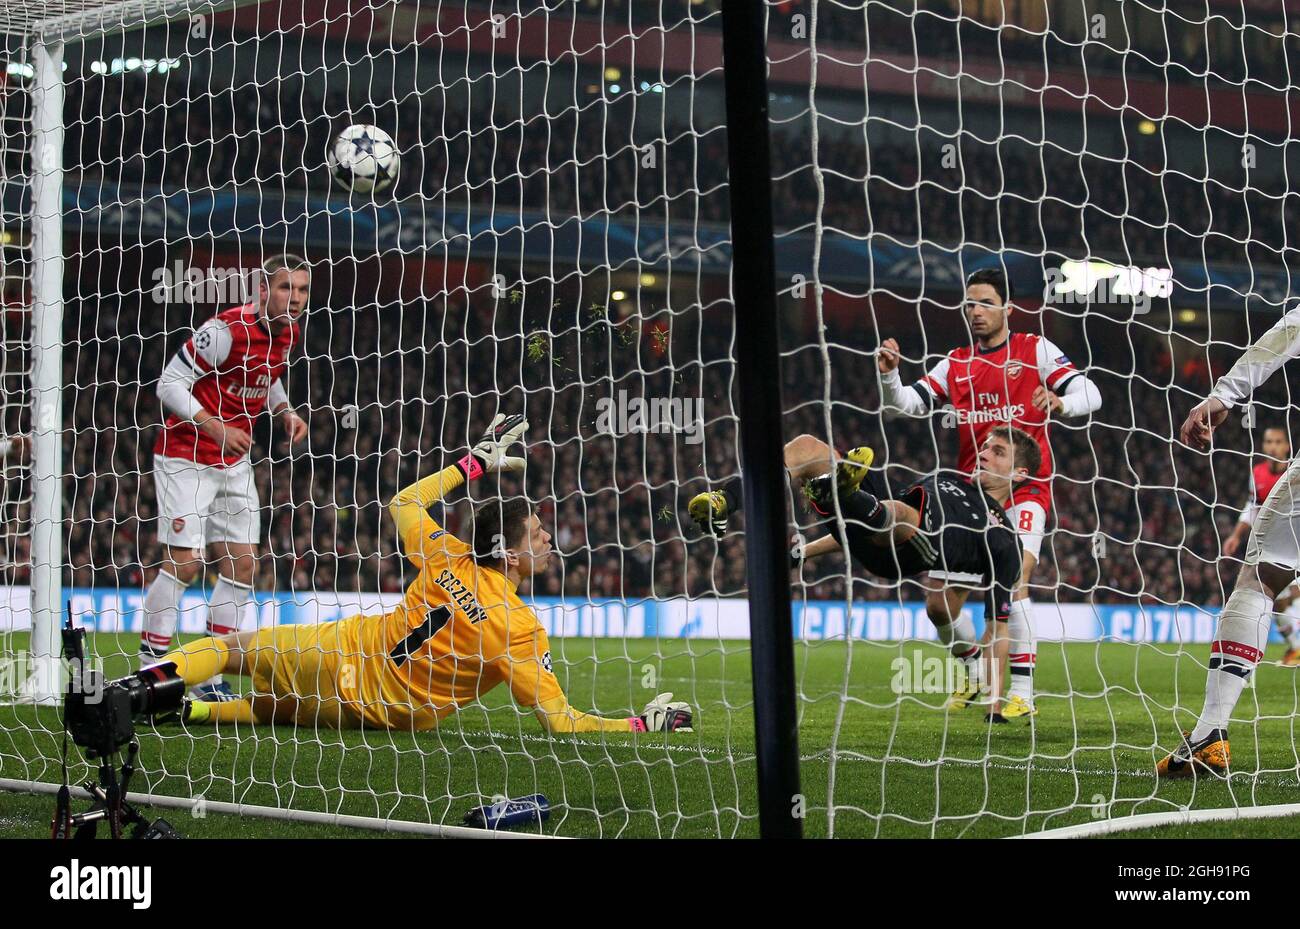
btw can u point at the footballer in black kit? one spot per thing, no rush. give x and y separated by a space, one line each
951 530
963 537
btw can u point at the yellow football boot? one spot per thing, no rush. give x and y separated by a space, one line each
1017 707
852 469
1292 658
966 695
709 510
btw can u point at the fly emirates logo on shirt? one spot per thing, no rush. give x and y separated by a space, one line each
988 409
260 387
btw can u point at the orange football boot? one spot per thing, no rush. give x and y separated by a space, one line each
1208 756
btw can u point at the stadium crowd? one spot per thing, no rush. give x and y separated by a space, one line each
395 391
1130 199
1231 42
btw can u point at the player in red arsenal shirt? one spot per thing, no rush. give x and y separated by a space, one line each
224 376
1277 450
1003 378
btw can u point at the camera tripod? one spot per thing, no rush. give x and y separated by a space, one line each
110 805
96 718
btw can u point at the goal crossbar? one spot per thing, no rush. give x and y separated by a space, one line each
69 20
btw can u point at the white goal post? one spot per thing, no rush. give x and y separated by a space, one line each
46 27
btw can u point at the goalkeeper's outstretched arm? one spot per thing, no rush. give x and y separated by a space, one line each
533 684
488 456
660 715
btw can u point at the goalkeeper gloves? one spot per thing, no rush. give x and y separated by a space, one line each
488 456
661 715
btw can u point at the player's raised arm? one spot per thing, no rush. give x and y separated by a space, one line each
410 505
1272 350
919 399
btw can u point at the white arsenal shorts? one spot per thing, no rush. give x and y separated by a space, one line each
1275 538
200 504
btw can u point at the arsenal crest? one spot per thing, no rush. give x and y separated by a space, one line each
1014 368
178 524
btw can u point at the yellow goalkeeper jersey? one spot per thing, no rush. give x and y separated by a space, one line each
460 630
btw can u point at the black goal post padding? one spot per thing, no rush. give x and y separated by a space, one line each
758 363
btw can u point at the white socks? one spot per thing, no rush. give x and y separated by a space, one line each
1238 646
1024 650
161 605
226 608
959 635
227 605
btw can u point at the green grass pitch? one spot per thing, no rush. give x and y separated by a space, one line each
901 766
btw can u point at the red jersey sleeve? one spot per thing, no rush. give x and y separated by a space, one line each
1054 369
209 347
936 380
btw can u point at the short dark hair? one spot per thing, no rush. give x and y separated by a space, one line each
995 278
286 262
1025 447
499 524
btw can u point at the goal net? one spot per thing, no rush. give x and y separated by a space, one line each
557 244
1126 168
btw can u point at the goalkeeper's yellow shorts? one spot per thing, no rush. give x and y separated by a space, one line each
299 675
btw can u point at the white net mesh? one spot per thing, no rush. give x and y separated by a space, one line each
1072 147
556 244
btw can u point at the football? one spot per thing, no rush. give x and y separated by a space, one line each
363 159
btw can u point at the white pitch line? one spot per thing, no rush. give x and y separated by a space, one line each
1270 779
622 746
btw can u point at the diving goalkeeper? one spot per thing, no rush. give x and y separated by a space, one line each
460 631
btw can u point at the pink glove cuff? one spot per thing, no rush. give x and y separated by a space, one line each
469 464
638 724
